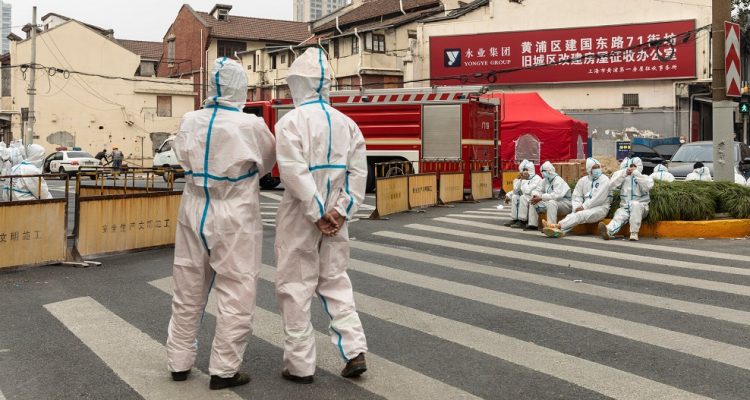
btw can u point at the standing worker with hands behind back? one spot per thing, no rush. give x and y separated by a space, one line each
323 165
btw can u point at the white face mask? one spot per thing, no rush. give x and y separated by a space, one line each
596 173
546 175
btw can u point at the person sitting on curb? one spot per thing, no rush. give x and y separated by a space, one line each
591 201
635 189
520 197
552 196
700 173
661 173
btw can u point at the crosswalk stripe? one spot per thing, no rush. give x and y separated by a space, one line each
704 310
267 213
388 379
487 217
590 375
649 246
495 213
583 265
573 249
366 207
684 250
688 344
1 395
133 355
271 196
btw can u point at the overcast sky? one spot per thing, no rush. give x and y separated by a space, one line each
140 19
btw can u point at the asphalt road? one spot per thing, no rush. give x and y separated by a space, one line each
454 306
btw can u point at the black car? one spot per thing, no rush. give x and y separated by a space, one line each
682 162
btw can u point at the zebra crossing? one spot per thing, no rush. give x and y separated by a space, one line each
270 206
457 306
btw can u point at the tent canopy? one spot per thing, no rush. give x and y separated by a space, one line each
530 128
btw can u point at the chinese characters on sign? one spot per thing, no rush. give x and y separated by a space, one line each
19 236
644 51
138 226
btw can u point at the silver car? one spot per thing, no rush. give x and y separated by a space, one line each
688 154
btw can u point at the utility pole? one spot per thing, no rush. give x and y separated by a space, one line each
723 108
32 81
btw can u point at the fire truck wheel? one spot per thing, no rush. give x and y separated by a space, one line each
269 182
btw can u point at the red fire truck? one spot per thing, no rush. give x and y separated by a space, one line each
439 123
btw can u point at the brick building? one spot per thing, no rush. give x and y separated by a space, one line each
195 39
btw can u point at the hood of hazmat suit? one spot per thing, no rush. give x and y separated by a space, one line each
323 164
738 178
661 173
700 174
219 229
26 187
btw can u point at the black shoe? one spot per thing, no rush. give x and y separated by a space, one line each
297 379
355 367
510 223
180 376
531 228
238 379
519 225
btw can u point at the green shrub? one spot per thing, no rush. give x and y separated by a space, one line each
734 200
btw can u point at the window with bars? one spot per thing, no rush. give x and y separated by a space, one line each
630 100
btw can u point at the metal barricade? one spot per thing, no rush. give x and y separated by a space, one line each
481 179
32 232
124 211
450 177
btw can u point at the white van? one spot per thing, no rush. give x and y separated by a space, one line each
165 156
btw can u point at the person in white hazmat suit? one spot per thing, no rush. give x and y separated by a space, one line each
738 178
519 198
591 201
323 165
4 169
635 189
219 228
24 187
661 173
700 173
552 196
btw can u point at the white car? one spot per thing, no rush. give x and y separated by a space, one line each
165 158
68 161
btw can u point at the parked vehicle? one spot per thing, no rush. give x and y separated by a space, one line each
411 125
682 162
68 162
166 158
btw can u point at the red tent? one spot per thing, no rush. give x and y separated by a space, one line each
531 129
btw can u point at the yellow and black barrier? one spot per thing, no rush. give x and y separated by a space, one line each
450 177
423 190
33 232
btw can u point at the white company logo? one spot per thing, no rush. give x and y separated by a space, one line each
452 58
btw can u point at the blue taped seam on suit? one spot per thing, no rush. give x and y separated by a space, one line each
341 338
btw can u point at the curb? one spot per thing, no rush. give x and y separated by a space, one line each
715 229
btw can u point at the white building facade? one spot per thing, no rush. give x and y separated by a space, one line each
631 64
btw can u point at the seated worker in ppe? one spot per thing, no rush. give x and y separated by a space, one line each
738 178
519 198
219 228
661 173
591 201
635 197
323 164
4 168
623 168
553 196
700 173
25 187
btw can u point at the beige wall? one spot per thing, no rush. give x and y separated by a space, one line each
504 16
96 112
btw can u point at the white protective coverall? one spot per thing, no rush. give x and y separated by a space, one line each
322 159
661 173
17 152
521 194
700 174
219 228
593 195
739 179
28 188
4 168
634 199
555 194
